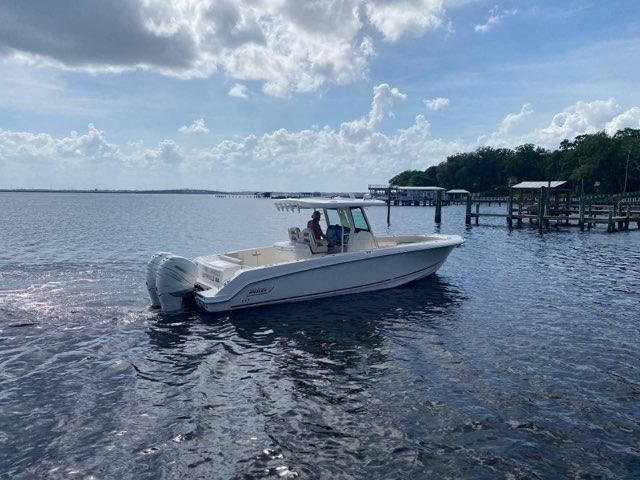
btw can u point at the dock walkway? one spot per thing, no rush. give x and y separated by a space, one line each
617 212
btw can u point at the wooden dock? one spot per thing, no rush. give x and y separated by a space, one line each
545 207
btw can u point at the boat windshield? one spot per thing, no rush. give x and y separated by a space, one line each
359 220
331 217
337 217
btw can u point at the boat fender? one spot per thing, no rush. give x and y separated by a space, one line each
175 279
152 270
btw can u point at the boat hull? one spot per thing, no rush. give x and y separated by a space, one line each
329 276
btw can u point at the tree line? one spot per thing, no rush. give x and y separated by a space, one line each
598 159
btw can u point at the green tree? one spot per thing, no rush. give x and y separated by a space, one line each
595 157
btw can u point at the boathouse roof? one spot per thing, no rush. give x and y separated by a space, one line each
458 190
556 184
420 188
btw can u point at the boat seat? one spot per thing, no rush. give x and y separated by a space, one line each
294 234
316 245
336 234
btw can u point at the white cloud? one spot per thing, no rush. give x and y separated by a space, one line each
197 126
383 98
500 137
512 118
437 103
338 158
577 119
627 119
168 152
405 17
288 45
239 90
495 17
90 147
346 157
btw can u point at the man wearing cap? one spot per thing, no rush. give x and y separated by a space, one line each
314 225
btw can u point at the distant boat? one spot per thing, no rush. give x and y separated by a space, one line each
302 268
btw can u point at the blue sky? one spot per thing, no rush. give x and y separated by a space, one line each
289 95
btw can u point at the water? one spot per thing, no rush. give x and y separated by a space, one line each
519 359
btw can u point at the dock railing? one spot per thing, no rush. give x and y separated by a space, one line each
617 212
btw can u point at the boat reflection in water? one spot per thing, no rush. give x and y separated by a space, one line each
295 385
349 319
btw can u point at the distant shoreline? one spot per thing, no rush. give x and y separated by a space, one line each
178 191
252 193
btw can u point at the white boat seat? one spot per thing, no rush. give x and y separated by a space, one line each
294 234
316 245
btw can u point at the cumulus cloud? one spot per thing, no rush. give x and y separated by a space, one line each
91 147
168 152
99 33
383 99
288 45
495 17
512 118
345 157
437 103
198 126
337 157
627 119
239 90
405 17
577 119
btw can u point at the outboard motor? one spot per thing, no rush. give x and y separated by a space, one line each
152 270
175 278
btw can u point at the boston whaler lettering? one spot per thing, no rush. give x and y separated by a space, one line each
354 260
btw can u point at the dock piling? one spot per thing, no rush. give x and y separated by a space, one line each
619 214
540 209
438 219
628 219
547 203
611 226
581 208
388 206
510 208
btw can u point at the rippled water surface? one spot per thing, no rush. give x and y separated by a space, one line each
519 359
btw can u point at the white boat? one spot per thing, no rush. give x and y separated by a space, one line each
303 267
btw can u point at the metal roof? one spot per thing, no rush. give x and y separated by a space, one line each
537 185
299 203
420 188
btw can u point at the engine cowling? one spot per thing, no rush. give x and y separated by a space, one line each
152 271
175 279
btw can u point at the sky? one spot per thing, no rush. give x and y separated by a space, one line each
292 95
